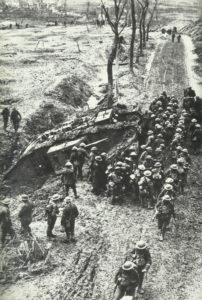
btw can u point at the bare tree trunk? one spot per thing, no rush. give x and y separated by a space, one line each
147 33
111 59
143 31
119 9
128 15
150 19
132 41
140 37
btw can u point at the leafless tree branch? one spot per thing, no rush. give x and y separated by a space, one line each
122 10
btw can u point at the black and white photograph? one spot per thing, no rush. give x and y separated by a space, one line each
100 149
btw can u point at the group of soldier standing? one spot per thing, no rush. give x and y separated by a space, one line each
152 173
14 116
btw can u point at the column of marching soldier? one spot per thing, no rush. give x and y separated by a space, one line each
154 176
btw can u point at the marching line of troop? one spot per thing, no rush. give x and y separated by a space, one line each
153 173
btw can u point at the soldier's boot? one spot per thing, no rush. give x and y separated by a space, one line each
142 200
163 231
75 193
29 230
67 240
73 239
149 204
161 237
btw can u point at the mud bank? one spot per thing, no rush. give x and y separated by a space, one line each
191 63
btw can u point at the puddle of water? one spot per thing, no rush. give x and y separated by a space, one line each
190 60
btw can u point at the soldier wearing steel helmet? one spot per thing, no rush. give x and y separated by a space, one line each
182 174
5 113
172 172
117 180
104 169
185 155
126 280
69 215
167 190
150 140
51 213
157 178
146 151
93 154
159 140
25 214
15 118
82 156
68 179
134 157
164 212
148 162
141 257
192 126
196 138
74 159
98 176
5 221
158 156
146 192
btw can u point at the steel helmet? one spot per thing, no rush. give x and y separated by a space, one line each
98 158
94 148
104 154
68 164
83 145
173 167
55 197
132 176
128 159
147 173
128 265
185 150
24 197
169 180
141 167
166 198
180 160
168 187
141 245
133 154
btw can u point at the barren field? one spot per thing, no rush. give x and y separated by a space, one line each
37 66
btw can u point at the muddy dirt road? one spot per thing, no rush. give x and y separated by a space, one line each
86 270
